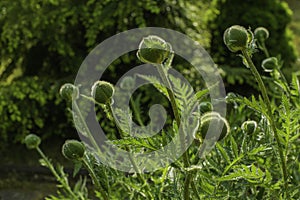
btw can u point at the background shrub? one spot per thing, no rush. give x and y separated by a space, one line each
274 15
48 40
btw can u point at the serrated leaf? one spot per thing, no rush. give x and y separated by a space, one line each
77 167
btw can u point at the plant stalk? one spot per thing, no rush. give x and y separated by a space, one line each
188 180
94 178
86 128
271 118
56 175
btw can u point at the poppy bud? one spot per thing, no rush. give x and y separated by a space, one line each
216 120
237 38
127 83
154 49
205 107
69 92
102 91
261 34
249 127
32 141
73 150
269 64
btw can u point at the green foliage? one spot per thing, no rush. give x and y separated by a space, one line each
250 163
26 105
275 16
49 40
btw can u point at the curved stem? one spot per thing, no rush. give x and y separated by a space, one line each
62 181
270 117
86 128
265 50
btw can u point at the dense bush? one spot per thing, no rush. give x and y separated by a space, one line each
274 15
28 104
49 39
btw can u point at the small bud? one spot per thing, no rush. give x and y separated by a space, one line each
73 150
32 141
216 120
127 83
205 107
269 64
69 92
102 91
154 49
249 127
237 38
261 34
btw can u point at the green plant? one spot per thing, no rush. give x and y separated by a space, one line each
281 135
258 158
79 192
275 17
50 40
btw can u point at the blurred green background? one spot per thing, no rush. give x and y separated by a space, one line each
43 43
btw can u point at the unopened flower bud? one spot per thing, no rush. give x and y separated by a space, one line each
261 34
269 64
127 83
73 150
249 127
69 92
205 107
154 49
32 141
102 91
216 120
237 38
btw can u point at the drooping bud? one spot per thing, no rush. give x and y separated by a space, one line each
261 34
127 83
69 92
269 64
154 49
216 120
237 38
102 91
205 107
32 141
249 127
73 150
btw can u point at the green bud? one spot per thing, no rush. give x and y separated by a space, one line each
127 83
237 38
214 119
261 34
32 141
69 92
73 150
249 127
269 64
102 91
205 107
154 49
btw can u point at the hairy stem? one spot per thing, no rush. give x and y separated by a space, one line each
265 50
188 180
135 167
94 178
270 117
62 181
85 127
